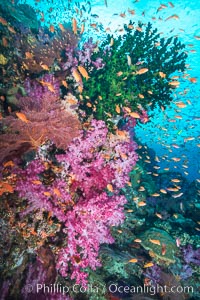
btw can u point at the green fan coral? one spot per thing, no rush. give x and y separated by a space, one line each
137 70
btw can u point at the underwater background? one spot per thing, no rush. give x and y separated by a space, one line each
99 149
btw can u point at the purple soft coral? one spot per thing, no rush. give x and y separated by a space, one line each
190 255
186 272
36 88
154 274
82 57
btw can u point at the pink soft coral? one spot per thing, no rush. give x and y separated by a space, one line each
94 160
87 228
84 195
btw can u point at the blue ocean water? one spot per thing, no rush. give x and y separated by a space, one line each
173 125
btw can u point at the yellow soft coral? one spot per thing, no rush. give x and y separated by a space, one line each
3 60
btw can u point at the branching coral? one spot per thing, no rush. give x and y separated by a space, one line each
137 69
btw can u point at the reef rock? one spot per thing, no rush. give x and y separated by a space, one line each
154 240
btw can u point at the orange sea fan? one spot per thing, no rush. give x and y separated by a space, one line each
50 122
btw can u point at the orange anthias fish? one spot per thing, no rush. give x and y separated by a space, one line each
175 180
123 15
155 195
192 79
156 242
3 21
171 189
65 84
62 28
137 241
22 117
119 73
133 260
82 28
11 29
163 250
44 67
134 115
76 75
174 83
162 6
28 55
138 28
148 265
141 203
4 41
131 11
52 28
130 26
72 101
171 4
57 192
122 133
175 146
175 17
141 96
176 159
117 109
142 71
83 72
74 26
111 42
163 191
89 104
159 215
162 75
110 187
80 89
48 194
37 182
180 104
48 85
127 109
